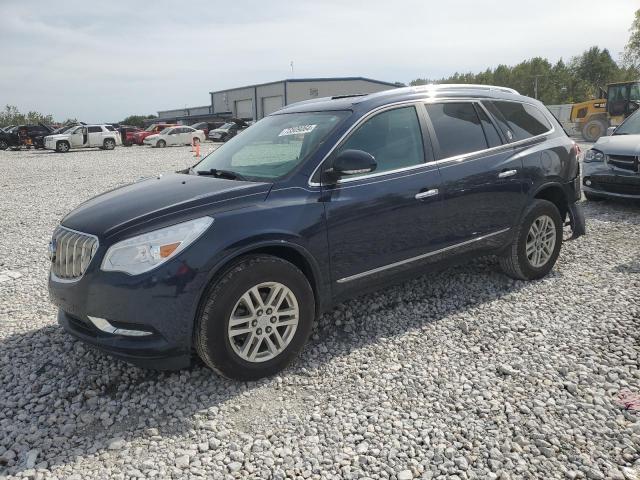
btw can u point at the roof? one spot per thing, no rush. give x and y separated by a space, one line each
385 97
310 79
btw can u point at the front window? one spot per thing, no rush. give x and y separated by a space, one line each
631 125
274 146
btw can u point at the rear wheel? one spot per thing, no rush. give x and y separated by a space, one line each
62 147
161 144
537 243
109 144
256 318
594 129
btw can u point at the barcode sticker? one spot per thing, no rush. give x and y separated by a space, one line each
302 129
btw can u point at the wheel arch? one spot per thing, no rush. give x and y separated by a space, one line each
554 193
291 252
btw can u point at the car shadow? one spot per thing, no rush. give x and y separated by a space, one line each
79 393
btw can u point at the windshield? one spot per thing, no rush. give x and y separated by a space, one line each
631 125
274 146
150 128
227 126
165 131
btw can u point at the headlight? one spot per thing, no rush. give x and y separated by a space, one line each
593 155
147 251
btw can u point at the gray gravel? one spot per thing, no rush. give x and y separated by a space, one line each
467 374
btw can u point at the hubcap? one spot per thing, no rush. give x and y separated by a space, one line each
541 240
253 334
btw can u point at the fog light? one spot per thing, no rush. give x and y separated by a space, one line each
587 183
105 326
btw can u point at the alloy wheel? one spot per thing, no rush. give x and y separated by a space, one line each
541 240
263 322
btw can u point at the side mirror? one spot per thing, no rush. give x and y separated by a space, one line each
610 131
352 162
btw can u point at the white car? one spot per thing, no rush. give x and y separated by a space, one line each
175 136
105 137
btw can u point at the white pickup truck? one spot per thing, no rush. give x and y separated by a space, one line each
105 137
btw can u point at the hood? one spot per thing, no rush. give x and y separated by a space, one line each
619 145
160 199
57 136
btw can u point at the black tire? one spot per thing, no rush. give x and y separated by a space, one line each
594 129
161 144
592 198
4 144
62 147
109 144
514 262
210 332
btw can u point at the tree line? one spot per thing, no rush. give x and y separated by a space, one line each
555 83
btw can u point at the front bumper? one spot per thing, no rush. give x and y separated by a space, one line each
163 301
602 180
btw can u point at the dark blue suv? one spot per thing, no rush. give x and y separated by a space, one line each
323 200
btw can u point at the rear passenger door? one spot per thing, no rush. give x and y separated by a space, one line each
482 185
95 136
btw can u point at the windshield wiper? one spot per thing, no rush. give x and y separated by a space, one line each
215 172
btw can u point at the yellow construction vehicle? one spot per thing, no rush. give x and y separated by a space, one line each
593 117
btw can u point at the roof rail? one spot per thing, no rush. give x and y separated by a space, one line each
463 86
348 95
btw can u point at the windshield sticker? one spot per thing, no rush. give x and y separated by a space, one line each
301 130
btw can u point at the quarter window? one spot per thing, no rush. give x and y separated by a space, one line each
519 120
393 137
457 128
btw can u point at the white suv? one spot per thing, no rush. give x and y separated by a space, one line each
84 136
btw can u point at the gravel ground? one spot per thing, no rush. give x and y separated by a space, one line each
466 374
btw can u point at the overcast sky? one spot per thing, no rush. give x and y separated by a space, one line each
101 61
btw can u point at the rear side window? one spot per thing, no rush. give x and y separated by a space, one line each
457 128
519 120
95 129
393 137
110 128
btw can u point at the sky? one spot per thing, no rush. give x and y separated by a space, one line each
103 61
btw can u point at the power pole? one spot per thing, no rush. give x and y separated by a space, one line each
535 85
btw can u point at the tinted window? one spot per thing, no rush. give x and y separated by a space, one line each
520 120
95 129
110 128
394 138
493 139
457 128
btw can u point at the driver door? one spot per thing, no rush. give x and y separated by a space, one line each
174 136
77 137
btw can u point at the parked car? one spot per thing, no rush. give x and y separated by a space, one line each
150 130
128 134
206 127
612 165
84 136
227 131
235 257
24 136
175 136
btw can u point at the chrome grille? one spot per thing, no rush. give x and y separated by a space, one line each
626 162
71 253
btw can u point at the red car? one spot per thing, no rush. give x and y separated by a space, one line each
152 129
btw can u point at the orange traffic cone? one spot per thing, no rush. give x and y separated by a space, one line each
196 145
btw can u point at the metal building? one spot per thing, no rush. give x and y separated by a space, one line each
256 101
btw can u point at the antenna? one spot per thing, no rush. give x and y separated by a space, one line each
291 68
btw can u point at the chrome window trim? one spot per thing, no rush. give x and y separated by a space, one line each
419 257
57 279
455 159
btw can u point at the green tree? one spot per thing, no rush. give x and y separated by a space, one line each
136 120
631 56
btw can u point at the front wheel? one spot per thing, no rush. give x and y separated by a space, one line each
255 318
161 144
537 243
62 147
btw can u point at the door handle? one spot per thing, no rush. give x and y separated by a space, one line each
429 193
507 173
